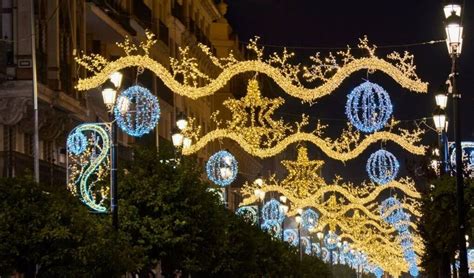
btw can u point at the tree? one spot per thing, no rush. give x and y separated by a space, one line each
45 230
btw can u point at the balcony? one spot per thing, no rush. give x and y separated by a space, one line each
178 12
143 14
116 11
163 33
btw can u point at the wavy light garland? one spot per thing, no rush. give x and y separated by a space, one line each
87 168
331 71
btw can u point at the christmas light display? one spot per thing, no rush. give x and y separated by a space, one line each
330 240
414 271
470 260
368 107
271 211
272 227
391 210
291 236
306 245
309 219
331 71
248 213
88 164
76 143
137 111
382 167
222 168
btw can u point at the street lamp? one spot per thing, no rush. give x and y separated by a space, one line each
298 221
177 138
454 39
181 121
260 194
109 96
439 119
441 100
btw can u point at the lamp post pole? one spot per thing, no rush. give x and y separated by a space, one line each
299 242
463 269
113 172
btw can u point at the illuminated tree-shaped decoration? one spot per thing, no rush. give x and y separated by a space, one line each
222 168
248 213
382 167
76 142
309 219
88 164
330 240
391 210
291 236
272 211
368 107
137 111
272 227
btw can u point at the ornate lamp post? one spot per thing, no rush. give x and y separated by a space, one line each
284 210
109 95
454 39
440 122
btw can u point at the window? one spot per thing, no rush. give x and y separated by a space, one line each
28 144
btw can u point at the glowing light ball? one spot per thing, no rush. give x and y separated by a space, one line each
76 142
137 111
368 107
391 210
272 227
222 168
272 211
382 167
291 236
309 219
248 213
330 240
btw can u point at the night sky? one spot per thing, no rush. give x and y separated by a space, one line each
329 24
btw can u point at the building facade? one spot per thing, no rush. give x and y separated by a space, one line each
66 28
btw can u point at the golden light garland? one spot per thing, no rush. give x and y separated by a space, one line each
352 210
329 71
254 129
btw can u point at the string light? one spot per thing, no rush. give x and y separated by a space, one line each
248 213
137 111
88 167
76 142
310 219
222 168
290 236
368 107
391 210
271 211
382 167
331 71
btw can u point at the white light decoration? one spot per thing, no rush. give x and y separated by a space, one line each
76 143
468 155
272 211
142 114
116 79
248 213
291 236
222 168
391 210
368 107
272 227
382 167
330 240
310 219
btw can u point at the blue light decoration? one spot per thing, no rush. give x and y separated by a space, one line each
382 167
137 111
309 219
76 143
330 240
306 245
414 271
409 255
291 236
88 164
402 225
271 211
248 213
378 272
316 248
391 210
325 255
272 227
470 260
222 168
468 155
368 107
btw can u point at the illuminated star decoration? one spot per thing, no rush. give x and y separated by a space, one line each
88 165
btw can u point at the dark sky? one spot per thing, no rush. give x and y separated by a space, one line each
338 23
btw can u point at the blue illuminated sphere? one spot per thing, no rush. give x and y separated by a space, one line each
137 111
330 240
402 225
76 142
309 219
291 236
368 107
382 167
222 168
272 227
272 211
378 272
414 271
248 213
391 210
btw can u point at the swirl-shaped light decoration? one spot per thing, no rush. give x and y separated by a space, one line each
368 107
391 210
137 111
382 167
76 142
248 213
272 211
222 168
272 227
309 219
88 165
291 236
330 240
